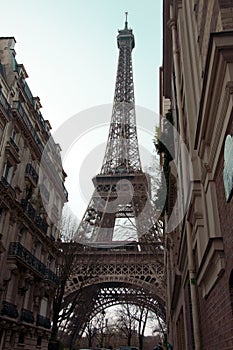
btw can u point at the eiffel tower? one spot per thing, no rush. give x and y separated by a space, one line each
109 270
122 190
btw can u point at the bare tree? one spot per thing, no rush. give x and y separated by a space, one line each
66 257
141 317
92 329
132 320
126 322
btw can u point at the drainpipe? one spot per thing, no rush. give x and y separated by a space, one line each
191 265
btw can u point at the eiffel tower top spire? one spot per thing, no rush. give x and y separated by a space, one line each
122 154
126 23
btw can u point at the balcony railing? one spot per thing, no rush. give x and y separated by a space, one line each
28 208
27 316
9 309
16 249
43 322
31 212
18 106
4 103
32 172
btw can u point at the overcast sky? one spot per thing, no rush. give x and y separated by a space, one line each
69 50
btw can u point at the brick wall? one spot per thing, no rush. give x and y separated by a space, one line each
216 309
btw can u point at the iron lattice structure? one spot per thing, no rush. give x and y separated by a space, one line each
122 190
122 154
103 277
113 260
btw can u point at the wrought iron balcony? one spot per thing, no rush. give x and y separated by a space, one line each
31 212
16 249
43 322
9 309
18 106
27 316
32 172
28 208
4 103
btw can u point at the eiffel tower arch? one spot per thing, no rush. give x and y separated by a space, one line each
120 255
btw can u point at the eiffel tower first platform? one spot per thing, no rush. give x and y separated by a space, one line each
115 263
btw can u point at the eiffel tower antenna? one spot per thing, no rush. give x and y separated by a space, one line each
126 22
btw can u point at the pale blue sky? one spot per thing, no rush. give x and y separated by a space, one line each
69 50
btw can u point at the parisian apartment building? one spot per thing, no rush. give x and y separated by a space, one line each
32 195
197 98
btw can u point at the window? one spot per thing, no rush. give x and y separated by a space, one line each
180 331
8 172
13 140
22 235
21 338
36 249
12 339
43 307
1 132
13 135
39 340
53 231
1 221
1 336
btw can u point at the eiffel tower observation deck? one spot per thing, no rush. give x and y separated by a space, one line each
119 254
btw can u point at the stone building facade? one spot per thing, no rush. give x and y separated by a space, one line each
32 195
197 83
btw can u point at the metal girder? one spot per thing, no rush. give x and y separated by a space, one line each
141 269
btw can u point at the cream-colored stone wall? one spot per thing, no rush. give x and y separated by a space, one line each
27 248
205 76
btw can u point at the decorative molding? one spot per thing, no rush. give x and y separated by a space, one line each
219 55
212 265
